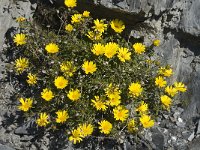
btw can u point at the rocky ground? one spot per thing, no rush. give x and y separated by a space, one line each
176 22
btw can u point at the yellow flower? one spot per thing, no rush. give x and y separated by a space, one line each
180 87
99 26
120 113
171 91
68 68
131 125
139 48
146 121
156 42
98 49
143 107
99 104
85 129
113 94
135 89
76 136
76 18
21 64
60 82
86 13
47 94
95 36
20 19
74 94
111 49
69 27
89 67
26 104
70 3
20 39
62 116
124 54
114 99
168 72
160 82
52 48
165 72
105 127
166 101
32 79
117 25
42 121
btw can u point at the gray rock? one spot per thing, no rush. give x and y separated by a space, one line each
4 147
28 128
158 139
198 128
195 144
191 137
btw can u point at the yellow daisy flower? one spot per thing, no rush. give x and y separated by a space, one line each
120 113
70 3
180 87
52 48
139 48
99 26
111 49
89 67
99 104
171 91
114 99
135 89
142 108
146 121
117 25
105 127
62 116
20 39
76 136
166 101
68 68
69 28
124 54
26 104
160 82
98 49
21 64
113 94
85 129
86 13
76 18
156 42
42 121
168 72
47 94
60 82
74 94
32 79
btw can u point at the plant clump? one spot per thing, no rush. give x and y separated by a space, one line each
87 79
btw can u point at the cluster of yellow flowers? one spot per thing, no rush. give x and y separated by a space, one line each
86 81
